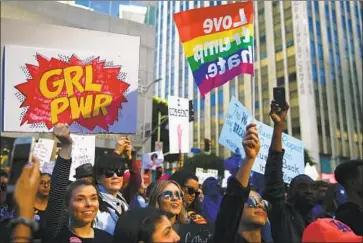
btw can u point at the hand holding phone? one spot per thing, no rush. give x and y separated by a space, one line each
279 97
20 157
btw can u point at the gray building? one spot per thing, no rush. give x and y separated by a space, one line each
32 14
312 48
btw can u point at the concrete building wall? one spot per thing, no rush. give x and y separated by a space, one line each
42 12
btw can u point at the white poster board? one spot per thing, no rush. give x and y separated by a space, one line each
233 132
152 160
203 174
43 150
178 112
91 90
83 152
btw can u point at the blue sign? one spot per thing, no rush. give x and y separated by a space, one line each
195 150
234 127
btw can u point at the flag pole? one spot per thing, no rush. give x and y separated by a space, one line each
254 76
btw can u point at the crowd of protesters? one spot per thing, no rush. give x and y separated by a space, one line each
98 207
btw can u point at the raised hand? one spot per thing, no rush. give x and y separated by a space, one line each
62 132
26 188
278 114
123 147
251 142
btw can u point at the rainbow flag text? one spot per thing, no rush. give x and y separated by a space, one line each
218 42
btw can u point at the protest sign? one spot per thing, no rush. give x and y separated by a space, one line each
43 150
83 152
235 122
90 91
218 42
195 233
152 160
203 174
48 167
293 161
178 113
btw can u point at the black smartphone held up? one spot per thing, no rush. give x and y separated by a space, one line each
279 97
20 157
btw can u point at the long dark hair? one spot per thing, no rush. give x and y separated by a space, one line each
181 177
137 225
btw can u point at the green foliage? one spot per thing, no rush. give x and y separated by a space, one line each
308 159
160 105
205 161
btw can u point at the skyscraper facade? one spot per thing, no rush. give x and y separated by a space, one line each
312 48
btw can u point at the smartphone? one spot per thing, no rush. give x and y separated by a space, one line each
21 155
279 97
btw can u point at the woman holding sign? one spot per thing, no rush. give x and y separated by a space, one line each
242 213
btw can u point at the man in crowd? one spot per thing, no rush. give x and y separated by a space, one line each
289 217
84 172
350 175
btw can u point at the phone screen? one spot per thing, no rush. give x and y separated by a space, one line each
21 156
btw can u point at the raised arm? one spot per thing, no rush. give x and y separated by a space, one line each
231 209
55 215
274 191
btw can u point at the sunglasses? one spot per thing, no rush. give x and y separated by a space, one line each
192 191
3 186
253 203
110 173
167 195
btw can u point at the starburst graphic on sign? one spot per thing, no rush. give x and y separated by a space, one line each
71 90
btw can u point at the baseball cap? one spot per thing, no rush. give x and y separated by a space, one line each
329 230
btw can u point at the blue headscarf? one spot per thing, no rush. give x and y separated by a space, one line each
212 199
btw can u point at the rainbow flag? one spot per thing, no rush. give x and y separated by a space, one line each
218 42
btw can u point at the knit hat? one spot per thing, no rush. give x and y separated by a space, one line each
329 230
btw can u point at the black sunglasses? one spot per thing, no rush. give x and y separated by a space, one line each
110 173
167 195
192 191
3 186
253 203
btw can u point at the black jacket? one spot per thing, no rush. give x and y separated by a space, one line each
230 213
352 215
287 224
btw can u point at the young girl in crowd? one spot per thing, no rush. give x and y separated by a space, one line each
147 225
81 204
168 197
189 183
242 213
71 209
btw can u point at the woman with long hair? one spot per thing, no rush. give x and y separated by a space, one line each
168 197
147 225
242 213
189 183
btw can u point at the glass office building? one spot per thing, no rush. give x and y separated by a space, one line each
138 11
313 49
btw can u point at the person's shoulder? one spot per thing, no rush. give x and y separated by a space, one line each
102 236
349 208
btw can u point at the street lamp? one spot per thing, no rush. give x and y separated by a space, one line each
145 102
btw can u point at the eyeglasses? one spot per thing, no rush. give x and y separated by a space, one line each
192 191
253 203
43 183
110 173
3 186
167 195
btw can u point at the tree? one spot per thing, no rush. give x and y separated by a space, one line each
160 105
205 161
308 159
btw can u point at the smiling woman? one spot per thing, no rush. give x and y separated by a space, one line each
81 201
